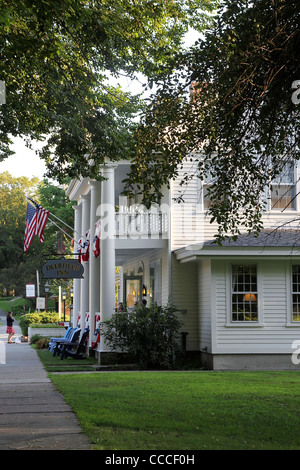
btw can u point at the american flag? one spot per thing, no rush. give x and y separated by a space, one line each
36 219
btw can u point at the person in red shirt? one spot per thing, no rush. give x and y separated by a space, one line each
10 327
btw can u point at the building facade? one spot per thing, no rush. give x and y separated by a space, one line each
239 303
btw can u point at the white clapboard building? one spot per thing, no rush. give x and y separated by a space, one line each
239 302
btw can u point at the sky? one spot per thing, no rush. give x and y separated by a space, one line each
24 162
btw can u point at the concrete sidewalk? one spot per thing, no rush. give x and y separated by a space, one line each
33 414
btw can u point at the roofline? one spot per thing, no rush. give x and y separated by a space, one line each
192 253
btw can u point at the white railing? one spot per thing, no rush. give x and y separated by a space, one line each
131 222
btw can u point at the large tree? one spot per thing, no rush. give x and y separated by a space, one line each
13 215
56 58
242 117
16 266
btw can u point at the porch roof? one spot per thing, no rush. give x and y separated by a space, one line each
270 242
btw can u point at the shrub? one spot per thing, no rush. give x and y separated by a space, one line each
35 338
150 335
42 343
48 325
35 318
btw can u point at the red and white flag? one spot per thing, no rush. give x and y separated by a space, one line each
96 240
85 252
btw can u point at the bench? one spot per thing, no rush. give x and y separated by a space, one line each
73 336
55 339
73 348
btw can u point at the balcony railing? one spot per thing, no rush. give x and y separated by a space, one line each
134 223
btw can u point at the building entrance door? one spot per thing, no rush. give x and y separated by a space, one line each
132 291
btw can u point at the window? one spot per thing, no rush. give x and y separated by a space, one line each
283 190
244 293
208 179
155 283
206 198
296 292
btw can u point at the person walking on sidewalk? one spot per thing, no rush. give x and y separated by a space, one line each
10 326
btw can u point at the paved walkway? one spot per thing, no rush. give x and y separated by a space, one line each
33 414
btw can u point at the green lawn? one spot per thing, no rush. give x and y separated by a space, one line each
9 303
55 364
186 410
12 303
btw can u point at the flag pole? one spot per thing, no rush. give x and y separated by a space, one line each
62 230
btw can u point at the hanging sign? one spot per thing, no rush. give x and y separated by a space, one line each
63 269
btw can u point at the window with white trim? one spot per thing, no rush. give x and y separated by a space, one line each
283 189
296 292
244 293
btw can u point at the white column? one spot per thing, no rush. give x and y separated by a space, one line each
76 282
85 225
107 246
94 263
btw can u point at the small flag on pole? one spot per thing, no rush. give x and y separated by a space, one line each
36 219
85 252
96 240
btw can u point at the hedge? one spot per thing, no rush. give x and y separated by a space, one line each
36 318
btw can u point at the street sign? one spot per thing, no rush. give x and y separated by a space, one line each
40 303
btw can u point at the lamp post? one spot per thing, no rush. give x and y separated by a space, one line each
47 288
64 296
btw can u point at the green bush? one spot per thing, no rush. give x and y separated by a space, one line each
35 318
42 343
35 338
150 335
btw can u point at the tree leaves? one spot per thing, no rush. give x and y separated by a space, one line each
13 204
240 120
56 60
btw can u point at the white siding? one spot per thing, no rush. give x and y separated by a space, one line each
190 224
185 297
186 227
202 288
274 333
204 292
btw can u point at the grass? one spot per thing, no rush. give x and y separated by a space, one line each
186 410
9 303
55 364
